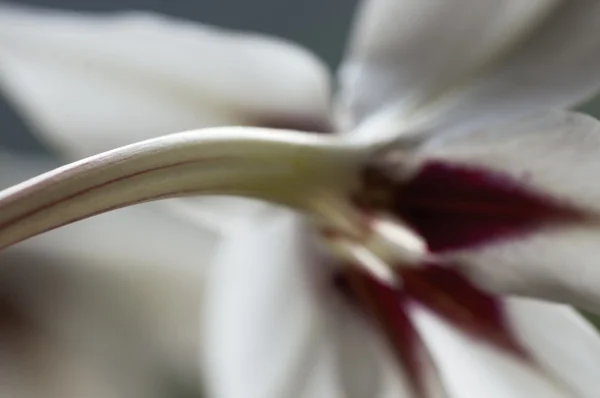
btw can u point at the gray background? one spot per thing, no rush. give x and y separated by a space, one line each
320 25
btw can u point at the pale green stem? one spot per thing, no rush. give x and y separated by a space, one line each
284 167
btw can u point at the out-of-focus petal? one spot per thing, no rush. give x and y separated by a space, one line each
274 326
432 66
144 260
89 83
220 214
386 307
403 51
92 82
557 155
562 342
564 355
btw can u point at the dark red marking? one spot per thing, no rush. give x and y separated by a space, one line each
455 206
444 291
386 306
450 295
452 207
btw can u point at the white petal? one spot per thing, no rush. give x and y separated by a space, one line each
274 327
472 368
146 262
89 83
559 265
556 154
565 345
436 65
220 214
92 82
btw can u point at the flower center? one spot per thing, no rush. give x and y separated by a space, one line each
403 224
453 206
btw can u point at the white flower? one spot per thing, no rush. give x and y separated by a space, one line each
455 180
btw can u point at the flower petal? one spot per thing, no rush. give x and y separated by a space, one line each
564 344
455 206
433 66
565 355
275 327
147 260
90 83
385 306
557 155
450 296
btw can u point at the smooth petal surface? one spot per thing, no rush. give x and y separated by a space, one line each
92 82
557 155
562 342
275 327
89 83
428 66
564 355
138 269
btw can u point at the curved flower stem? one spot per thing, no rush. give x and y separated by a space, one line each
279 166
